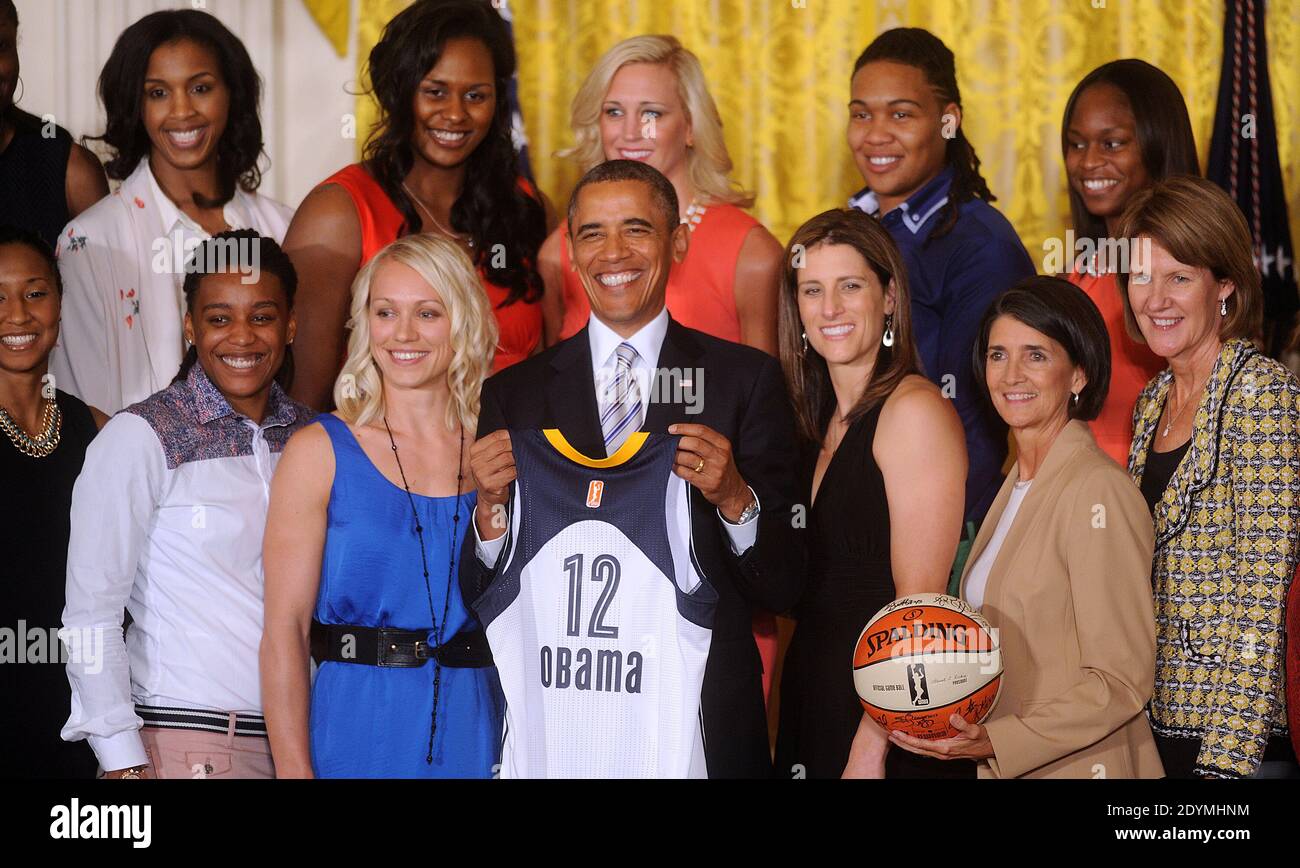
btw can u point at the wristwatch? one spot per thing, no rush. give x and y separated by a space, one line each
134 773
750 512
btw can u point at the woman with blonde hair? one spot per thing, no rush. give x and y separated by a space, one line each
367 515
646 99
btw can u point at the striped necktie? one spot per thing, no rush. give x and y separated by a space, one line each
622 401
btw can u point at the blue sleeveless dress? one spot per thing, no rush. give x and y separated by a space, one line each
372 722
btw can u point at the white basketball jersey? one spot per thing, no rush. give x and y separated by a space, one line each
598 616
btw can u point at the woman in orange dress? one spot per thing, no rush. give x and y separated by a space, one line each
646 99
439 160
1125 128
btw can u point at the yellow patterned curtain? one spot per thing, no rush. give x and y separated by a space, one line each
332 16
779 70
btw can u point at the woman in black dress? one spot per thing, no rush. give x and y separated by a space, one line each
46 179
886 471
45 434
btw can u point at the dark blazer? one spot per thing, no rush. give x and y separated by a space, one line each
744 399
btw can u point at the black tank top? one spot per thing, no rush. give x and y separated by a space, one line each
33 177
35 699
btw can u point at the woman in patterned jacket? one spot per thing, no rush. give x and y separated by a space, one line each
1216 452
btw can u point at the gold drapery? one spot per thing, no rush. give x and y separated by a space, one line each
779 71
333 18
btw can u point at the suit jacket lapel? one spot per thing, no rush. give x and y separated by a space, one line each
678 368
1196 469
571 396
1073 437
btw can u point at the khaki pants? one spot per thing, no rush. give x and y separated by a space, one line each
185 753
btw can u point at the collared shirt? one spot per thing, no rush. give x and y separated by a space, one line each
167 522
952 280
181 233
647 342
123 265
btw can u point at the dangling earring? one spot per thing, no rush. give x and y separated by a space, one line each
19 98
1076 398
1223 307
888 338
805 343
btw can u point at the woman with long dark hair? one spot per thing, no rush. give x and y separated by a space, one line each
440 160
885 472
45 177
181 96
924 184
1125 127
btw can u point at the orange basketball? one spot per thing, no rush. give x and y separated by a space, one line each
923 657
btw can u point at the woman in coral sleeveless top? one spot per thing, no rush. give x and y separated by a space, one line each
1125 127
646 99
440 160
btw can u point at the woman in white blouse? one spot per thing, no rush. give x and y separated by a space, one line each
181 96
1061 565
166 522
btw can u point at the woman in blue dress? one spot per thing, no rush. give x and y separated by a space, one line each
369 506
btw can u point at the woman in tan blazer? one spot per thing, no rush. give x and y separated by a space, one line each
1061 566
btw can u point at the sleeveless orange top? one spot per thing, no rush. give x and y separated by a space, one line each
1132 365
701 289
520 324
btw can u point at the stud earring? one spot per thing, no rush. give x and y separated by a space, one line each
888 337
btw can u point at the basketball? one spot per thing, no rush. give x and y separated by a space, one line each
923 657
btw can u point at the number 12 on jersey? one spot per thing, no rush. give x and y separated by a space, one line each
605 571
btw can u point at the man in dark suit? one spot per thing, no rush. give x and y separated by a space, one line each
736 448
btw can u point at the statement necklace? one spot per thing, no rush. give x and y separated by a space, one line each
43 444
424 563
694 214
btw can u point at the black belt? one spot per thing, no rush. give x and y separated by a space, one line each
407 649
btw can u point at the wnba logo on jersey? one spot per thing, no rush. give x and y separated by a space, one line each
594 492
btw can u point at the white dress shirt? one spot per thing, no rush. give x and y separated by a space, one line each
167 522
978 580
647 342
123 265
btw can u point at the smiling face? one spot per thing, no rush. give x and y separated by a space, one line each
29 310
1177 305
622 248
240 331
895 132
410 328
1103 157
186 104
1030 376
643 118
842 305
454 104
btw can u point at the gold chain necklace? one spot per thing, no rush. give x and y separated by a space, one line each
1181 410
43 444
434 220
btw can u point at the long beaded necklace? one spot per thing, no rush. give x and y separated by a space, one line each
43 444
438 626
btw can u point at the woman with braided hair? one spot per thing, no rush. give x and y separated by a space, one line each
924 184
